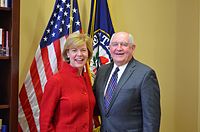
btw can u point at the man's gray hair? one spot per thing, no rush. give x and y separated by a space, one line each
131 39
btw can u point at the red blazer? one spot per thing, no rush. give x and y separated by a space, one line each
68 102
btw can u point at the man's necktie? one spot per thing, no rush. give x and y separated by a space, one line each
110 89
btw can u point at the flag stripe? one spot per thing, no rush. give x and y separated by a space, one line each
62 43
52 58
58 50
47 67
46 62
58 53
32 98
36 81
19 128
27 108
40 67
22 120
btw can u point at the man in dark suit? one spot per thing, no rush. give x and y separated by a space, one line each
128 99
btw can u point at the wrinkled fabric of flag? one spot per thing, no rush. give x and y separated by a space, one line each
101 30
65 19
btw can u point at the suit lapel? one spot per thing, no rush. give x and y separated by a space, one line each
106 77
107 74
125 76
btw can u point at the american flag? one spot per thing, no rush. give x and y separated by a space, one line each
64 20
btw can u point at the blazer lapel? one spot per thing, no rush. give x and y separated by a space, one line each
125 76
107 74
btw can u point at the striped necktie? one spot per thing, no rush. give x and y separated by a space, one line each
110 89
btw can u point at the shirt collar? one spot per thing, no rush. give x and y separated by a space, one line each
121 68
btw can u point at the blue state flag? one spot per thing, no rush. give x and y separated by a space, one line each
101 30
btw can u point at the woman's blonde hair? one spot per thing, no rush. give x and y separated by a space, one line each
75 40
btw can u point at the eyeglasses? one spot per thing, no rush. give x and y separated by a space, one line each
123 44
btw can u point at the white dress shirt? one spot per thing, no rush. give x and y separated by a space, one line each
120 72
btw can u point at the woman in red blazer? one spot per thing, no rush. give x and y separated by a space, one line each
68 101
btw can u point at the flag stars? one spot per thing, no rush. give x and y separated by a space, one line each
61 9
68 26
53 34
58 18
74 10
68 5
58 6
63 1
59 25
78 23
48 30
52 22
63 22
60 30
45 38
54 14
65 13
